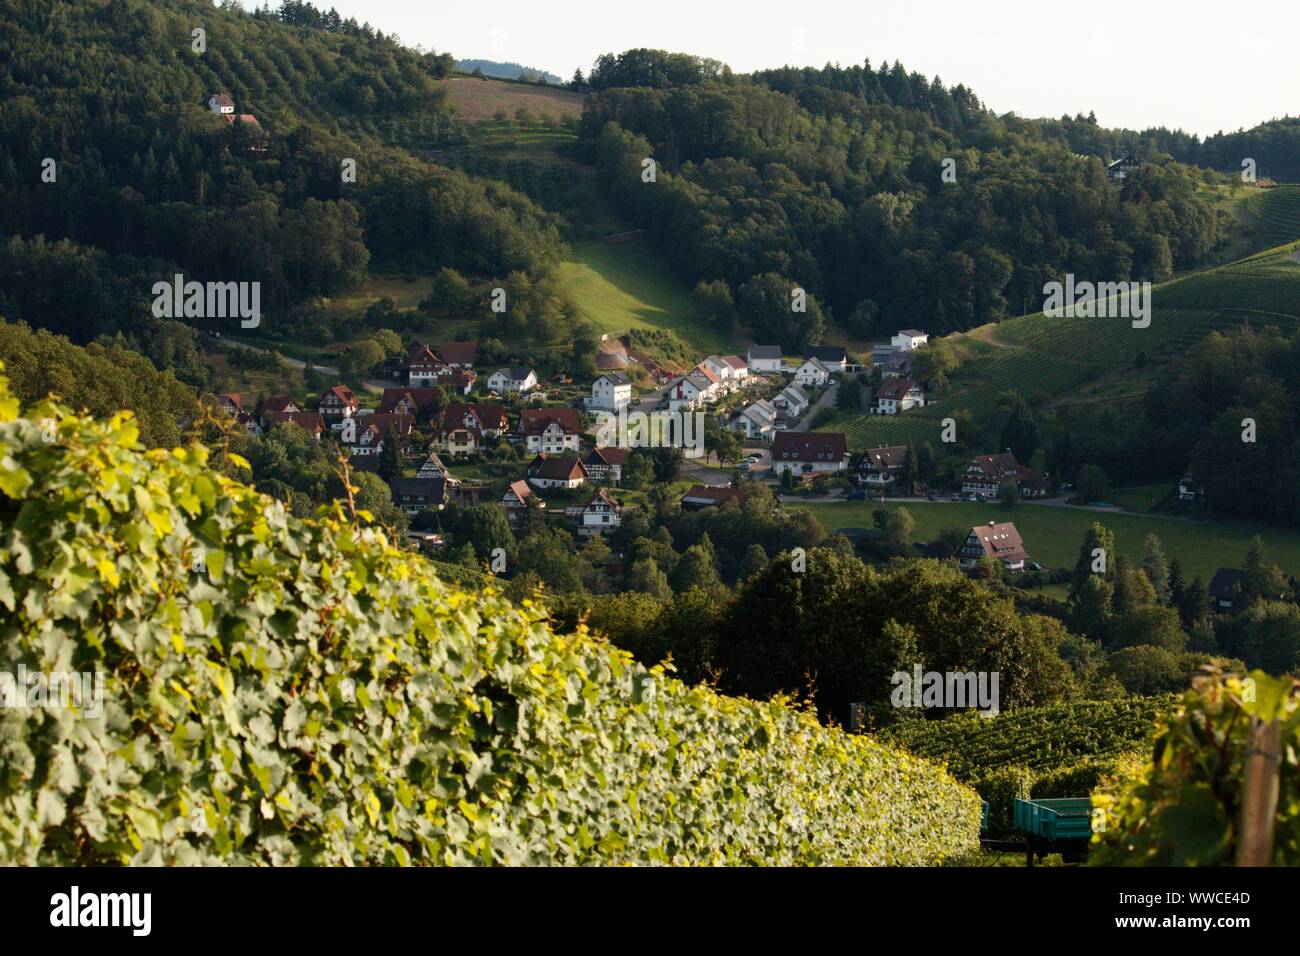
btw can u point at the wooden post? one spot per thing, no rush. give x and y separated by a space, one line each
1259 794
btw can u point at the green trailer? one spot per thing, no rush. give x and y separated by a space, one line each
1062 825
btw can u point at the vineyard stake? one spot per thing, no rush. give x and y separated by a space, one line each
1259 793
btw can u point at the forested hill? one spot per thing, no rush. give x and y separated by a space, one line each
145 179
833 180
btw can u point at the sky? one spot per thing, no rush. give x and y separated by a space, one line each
1192 64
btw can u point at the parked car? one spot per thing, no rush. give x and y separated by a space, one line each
955 496
1035 566
856 495
934 497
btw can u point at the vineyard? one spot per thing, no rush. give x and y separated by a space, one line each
1277 212
1059 751
1090 359
287 692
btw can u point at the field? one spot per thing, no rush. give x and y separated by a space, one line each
1053 535
1083 359
628 286
475 100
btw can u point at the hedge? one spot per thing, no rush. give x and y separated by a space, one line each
281 691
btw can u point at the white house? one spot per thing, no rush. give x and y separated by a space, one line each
515 500
898 395
690 391
909 339
792 402
764 358
812 373
221 104
882 466
718 368
834 357
809 453
423 368
556 472
756 421
601 515
552 436
611 392
518 380
739 370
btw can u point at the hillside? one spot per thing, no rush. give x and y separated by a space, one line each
281 691
1106 360
149 181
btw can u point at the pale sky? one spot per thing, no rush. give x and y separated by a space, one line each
1192 64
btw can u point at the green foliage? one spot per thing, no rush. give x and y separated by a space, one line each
1183 806
282 691
1038 751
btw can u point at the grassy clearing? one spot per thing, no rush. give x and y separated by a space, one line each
1053 535
475 100
628 286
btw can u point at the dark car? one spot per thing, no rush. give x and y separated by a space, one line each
856 495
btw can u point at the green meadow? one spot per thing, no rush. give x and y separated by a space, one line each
1053 535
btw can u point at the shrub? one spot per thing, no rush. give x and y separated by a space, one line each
280 691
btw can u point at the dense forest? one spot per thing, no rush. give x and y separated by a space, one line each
114 169
892 199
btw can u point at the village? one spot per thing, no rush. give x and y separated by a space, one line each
468 437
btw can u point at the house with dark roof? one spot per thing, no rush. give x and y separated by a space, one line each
898 395
882 466
764 358
458 354
231 403
809 453
414 495
512 380
488 419
605 464
1123 166
611 392
833 357
1225 588
986 474
547 472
